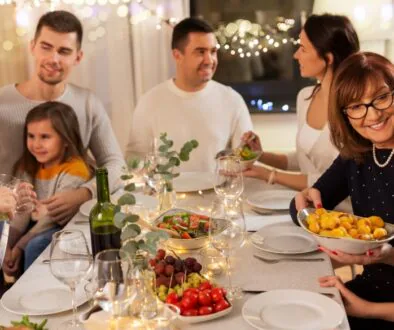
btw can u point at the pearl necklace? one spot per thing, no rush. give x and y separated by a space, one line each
376 160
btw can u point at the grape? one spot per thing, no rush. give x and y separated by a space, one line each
169 269
170 260
160 254
189 262
179 277
159 268
197 267
178 265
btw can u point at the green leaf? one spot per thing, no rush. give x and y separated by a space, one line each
126 199
117 209
131 218
126 177
184 156
174 161
129 187
163 148
119 219
194 143
130 231
130 247
133 163
151 248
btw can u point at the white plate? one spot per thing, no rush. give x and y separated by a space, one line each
38 297
272 199
292 310
283 238
148 201
194 181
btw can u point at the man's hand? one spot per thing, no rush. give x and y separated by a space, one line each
354 305
63 205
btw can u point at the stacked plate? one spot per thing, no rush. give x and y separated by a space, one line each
271 201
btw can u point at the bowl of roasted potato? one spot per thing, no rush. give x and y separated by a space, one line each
345 232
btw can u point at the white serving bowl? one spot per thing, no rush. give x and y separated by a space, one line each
182 243
345 244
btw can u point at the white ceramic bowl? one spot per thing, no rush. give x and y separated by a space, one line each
182 243
245 164
203 318
345 244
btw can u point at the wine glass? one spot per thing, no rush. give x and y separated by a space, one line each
70 262
226 234
229 183
112 276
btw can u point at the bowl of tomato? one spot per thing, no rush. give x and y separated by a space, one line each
201 304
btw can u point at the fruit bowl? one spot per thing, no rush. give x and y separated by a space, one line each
185 243
345 244
203 318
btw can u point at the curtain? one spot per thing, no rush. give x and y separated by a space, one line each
121 60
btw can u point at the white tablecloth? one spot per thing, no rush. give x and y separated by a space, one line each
249 272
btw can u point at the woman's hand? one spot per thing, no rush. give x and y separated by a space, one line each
307 196
252 140
380 254
259 172
354 305
7 202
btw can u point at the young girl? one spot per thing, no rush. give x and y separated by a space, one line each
53 159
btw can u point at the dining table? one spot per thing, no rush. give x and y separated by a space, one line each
254 276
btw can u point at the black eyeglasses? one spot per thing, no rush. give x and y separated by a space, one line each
381 102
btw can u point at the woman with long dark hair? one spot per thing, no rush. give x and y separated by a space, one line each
325 41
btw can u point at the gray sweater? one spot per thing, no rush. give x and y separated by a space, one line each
94 124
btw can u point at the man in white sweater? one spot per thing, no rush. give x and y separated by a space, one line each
56 49
191 105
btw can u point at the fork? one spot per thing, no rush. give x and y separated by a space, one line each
275 261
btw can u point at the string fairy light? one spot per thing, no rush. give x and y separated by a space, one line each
247 39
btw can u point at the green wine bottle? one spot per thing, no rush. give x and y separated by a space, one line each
104 234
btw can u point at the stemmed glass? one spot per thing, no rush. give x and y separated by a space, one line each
229 183
70 262
226 234
112 276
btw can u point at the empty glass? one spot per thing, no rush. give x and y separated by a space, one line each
229 183
226 234
111 274
70 263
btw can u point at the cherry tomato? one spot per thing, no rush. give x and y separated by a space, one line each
190 312
188 302
205 310
178 304
172 298
185 235
204 299
192 295
221 305
194 290
216 294
205 285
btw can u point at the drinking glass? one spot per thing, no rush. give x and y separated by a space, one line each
70 263
226 234
229 183
24 201
112 276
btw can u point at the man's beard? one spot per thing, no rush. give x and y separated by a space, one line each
50 82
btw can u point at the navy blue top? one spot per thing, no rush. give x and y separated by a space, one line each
371 190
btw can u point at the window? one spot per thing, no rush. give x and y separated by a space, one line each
257 40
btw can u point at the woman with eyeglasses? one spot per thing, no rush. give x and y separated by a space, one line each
361 118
